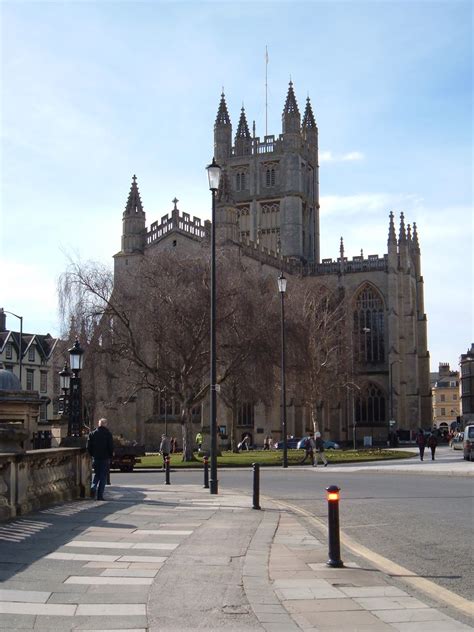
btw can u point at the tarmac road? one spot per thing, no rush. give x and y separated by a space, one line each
422 522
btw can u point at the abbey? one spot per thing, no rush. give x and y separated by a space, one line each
268 209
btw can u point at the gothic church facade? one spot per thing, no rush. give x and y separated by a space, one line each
268 207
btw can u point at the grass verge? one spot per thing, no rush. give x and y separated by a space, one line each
274 457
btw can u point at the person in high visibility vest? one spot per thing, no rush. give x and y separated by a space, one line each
199 440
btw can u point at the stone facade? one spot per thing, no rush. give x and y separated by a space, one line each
446 397
268 209
467 385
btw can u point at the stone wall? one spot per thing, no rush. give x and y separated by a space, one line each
39 478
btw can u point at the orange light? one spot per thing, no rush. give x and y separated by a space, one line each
333 495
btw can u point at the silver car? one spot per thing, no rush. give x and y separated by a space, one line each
457 441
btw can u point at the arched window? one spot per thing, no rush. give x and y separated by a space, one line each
369 327
370 407
246 415
270 177
240 181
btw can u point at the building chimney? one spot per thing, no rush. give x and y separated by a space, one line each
3 320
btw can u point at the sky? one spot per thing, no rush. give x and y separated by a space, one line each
93 92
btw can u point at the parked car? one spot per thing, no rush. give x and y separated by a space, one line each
328 445
456 442
469 442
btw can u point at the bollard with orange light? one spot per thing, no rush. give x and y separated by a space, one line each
167 470
332 495
206 472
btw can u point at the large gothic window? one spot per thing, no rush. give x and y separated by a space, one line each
246 415
369 327
370 407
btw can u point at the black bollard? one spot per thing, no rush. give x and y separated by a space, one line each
167 470
206 472
333 527
256 486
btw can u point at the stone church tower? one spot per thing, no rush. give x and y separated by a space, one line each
274 181
268 208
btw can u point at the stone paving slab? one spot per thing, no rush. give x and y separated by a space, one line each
162 560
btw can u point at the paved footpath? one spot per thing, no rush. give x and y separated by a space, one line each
156 558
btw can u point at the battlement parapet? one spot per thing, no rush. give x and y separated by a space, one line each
269 145
181 222
358 264
263 254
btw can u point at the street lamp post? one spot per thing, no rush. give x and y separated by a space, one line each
214 174
76 353
391 398
20 345
282 290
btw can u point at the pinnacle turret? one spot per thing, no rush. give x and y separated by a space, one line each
308 117
291 106
416 243
222 132
243 128
402 237
392 236
134 203
222 117
133 221
291 115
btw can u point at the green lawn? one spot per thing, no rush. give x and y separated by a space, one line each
274 457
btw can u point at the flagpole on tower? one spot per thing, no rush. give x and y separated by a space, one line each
266 91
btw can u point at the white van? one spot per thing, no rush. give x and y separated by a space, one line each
469 442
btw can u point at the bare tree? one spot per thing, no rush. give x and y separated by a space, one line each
152 328
318 350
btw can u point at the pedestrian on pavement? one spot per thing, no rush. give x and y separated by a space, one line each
319 443
432 442
421 442
165 448
309 447
267 443
100 445
199 441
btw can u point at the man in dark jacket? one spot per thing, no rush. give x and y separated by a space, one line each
100 446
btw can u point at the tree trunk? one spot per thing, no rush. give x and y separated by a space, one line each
233 428
314 417
187 431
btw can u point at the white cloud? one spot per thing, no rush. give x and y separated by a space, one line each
329 156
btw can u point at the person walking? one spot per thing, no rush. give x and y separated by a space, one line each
244 444
432 442
165 448
421 442
309 447
100 445
319 443
267 443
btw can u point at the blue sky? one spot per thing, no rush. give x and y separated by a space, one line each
93 92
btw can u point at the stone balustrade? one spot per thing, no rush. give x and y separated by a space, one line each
38 478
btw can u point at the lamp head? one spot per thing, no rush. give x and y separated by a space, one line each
214 175
76 353
281 283
64 378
